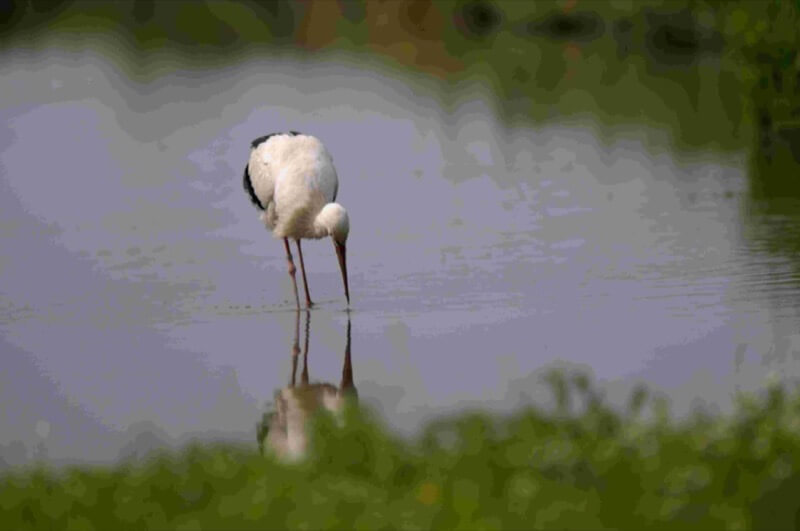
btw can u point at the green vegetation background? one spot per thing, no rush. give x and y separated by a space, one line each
710 71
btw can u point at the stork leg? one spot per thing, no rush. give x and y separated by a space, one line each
309 304
292 270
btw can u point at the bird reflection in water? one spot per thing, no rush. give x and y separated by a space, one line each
283 431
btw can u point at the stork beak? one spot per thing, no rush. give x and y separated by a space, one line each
341 254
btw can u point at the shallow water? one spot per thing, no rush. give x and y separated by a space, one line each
141 299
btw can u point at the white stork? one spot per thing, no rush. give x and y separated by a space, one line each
290 177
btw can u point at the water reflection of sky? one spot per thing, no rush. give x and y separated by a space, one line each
139 291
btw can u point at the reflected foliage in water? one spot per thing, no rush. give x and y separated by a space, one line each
772 227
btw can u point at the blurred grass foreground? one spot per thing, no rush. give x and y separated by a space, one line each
581 465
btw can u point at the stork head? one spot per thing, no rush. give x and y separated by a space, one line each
334 222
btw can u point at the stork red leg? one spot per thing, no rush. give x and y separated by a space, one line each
303 271
292 270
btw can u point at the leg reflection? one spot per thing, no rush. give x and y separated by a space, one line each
347 387
304 376
296 346
283 432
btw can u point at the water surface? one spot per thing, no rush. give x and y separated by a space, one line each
141 299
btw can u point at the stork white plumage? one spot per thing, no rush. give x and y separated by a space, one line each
290 177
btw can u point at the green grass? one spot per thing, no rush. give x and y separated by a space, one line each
579 467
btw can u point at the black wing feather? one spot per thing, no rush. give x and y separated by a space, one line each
248 187
260 140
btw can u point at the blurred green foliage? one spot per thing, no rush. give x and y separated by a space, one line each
714 73
583 465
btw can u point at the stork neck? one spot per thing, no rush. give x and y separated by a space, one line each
332 221
322 225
